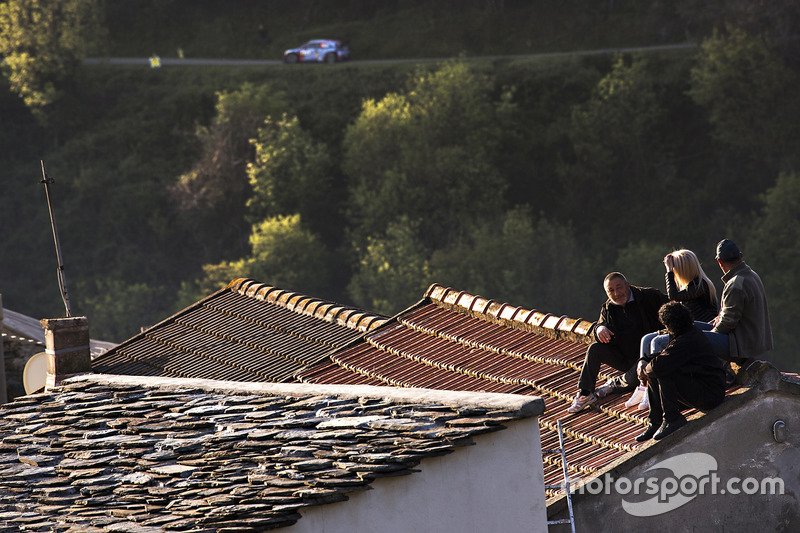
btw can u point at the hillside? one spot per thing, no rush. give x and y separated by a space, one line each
381 29
523 180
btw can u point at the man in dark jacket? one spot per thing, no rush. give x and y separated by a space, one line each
628 314
687 372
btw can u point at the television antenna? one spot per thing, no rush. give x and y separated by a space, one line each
62 280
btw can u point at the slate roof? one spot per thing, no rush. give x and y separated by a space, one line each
116 453
248 331
457 341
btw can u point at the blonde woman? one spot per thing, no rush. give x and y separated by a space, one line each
687 283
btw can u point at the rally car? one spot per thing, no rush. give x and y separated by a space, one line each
318 51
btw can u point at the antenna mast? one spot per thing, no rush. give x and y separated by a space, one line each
62 281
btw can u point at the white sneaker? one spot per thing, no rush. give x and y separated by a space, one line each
644 404
582 402
638 396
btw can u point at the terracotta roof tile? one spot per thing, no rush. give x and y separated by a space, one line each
455 340
247 332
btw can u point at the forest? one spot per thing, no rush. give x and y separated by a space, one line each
522 179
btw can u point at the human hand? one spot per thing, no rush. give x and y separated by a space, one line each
604 334
669 262
640 371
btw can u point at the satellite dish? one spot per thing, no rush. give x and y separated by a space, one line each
35 374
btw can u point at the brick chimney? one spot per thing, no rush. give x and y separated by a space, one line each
67 342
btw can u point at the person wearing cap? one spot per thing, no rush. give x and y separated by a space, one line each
741 331
629 313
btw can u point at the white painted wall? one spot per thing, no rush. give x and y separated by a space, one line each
495 486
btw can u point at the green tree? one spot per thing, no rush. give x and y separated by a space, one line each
527 261
750 95
217 187
393 272
117 310
773 250
291 173
641 262
426 155
220 176
42 43
621 156
283 254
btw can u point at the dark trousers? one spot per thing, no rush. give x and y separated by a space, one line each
600 353
669 394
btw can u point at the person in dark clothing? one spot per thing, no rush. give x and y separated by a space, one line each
628 314
263 36
688 372
687 283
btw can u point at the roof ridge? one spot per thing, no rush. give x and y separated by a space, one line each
349 317
559 327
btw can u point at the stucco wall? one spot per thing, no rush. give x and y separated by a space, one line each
496 485
737 449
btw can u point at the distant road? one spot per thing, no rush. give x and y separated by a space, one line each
172 61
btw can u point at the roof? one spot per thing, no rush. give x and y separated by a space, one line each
248 331
116 453
457 341
17 325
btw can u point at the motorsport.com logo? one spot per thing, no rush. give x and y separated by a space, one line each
693 474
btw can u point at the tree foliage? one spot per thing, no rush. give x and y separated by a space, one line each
219 177
283 254
530 261
425 155
43 41
773 250
621 156
393 272
291 172
749 92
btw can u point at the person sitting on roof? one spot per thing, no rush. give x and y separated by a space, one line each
687 372
686 282
741 332
629 313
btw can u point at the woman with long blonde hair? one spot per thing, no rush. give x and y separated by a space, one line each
687 283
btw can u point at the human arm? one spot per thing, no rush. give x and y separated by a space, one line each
696 289
734 299
602 331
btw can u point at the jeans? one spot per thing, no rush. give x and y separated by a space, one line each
653 343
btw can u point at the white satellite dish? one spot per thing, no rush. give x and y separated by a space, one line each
35 374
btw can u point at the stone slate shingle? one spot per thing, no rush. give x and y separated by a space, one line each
116 453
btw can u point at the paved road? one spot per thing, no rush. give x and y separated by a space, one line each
169 62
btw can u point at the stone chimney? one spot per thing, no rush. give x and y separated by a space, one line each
67 342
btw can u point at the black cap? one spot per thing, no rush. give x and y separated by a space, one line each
728 251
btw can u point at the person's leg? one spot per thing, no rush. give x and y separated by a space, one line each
668 397
596 354
656 417
721 344
645 350
704 326
698 394
599 353
658 343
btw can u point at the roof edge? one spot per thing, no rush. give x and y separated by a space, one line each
518 405
349 317
559 327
